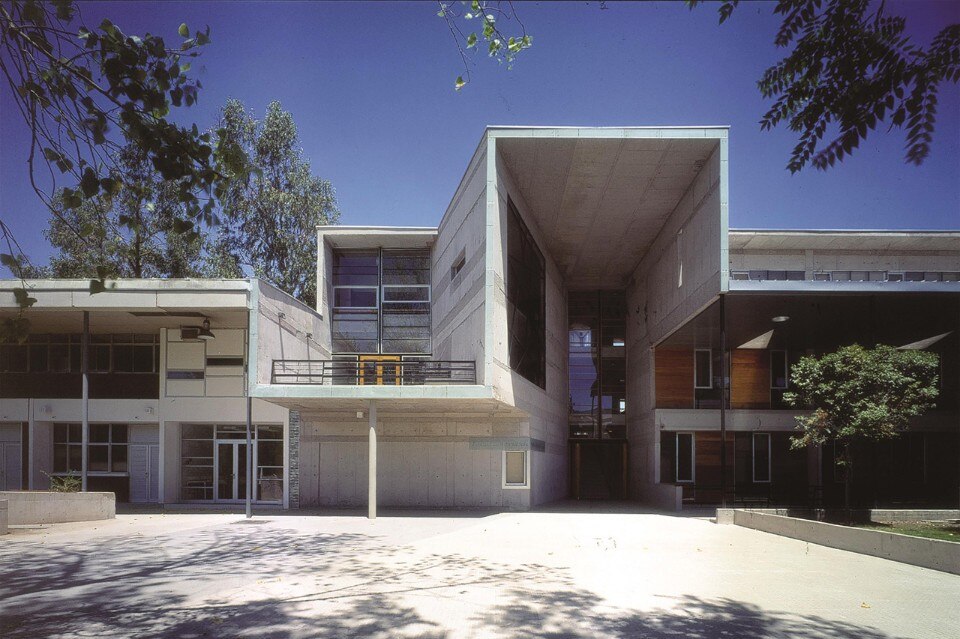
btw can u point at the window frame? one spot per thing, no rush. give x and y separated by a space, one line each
376 293
526 470
753 458
693 457
709 352
786 370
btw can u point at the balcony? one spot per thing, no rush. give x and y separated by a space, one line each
373 372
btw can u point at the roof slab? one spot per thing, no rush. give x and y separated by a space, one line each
601 195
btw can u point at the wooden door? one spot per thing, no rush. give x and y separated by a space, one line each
379 370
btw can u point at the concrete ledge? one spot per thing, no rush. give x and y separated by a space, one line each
917 551
3 517
884 515
44 507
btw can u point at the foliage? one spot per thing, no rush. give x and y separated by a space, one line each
851 68
132 234
484 14
861 393
268 223
84 93
64 483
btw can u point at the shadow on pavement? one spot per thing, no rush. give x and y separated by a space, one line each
268 581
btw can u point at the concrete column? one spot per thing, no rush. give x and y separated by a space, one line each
31 442
372 463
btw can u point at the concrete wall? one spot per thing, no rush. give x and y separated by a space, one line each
681 273
4 516
458 303
917 551
425 460
41 507
286 329
547 408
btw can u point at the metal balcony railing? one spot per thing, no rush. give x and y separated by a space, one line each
372 372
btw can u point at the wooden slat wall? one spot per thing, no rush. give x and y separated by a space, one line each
673 371
707 460
750 379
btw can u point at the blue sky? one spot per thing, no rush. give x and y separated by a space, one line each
370 86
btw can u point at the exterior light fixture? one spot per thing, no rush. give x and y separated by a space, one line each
780 318
204 332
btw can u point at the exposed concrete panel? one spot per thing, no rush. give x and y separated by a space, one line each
458 301
287 329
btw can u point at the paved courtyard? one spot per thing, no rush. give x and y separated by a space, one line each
565 572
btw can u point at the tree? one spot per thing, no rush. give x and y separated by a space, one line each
850 68
85 92
128 235
858 394
268 223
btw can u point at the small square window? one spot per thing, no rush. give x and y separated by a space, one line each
515 469
458 265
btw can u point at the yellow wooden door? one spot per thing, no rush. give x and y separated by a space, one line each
379 370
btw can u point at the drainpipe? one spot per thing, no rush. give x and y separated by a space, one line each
84 399
724 370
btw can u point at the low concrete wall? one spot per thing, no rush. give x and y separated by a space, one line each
917 551
661 496
879 515
3 516
44 507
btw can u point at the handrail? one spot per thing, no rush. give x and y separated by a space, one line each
373 372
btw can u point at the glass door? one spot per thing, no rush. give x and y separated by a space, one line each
231 465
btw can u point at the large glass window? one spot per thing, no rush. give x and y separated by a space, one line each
120 353
106 448
381 302
597 364
526 301
198 461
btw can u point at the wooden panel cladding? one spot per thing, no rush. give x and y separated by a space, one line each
707 460
673 372
750 379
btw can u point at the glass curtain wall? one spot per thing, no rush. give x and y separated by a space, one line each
526 301
597 364
381 302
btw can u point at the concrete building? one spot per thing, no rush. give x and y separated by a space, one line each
561 332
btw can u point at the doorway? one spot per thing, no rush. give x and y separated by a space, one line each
379 370
231 464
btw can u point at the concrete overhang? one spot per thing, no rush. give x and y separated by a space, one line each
366 237
844 240
389 399
131 305
599 195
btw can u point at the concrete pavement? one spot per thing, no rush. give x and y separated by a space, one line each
567 572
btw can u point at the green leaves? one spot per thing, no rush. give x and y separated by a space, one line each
849 68
499 46
861 393
184 30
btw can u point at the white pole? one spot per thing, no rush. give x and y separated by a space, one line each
372 465
85 399
249 457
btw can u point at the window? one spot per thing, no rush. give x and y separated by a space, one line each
761 458
381 302
67 448
702 368
685 457
107 448
740 275
951 277
822 277
457 267
894 277
515 469
779 372
526 301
